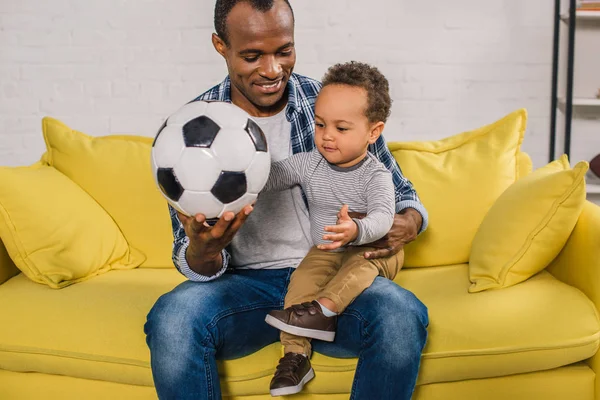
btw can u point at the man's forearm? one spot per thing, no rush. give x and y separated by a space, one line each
202 264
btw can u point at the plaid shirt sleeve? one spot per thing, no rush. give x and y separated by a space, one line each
180 245
406 196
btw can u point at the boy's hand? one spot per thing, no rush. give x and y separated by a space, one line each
343 233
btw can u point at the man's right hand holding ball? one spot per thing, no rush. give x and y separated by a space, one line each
203 255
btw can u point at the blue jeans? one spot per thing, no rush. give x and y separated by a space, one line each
195 324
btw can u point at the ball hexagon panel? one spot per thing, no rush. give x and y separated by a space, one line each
200 132
257 135
197 169
227 115
168 147
258 172
187 113
201 202
240 203
234 149
168 183
230 186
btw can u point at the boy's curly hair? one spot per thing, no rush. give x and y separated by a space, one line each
362 75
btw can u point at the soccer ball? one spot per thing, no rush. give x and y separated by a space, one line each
210 158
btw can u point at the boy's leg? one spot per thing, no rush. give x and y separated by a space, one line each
313 273
294 369
358 273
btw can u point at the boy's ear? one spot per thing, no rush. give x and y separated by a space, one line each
376 130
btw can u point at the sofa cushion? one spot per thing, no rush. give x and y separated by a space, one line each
116 172
527 226
94 330
56 234
458 179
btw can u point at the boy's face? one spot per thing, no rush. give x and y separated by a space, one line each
343 132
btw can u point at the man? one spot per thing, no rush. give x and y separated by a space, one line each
223 317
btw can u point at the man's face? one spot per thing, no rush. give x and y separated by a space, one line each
343 132
260 56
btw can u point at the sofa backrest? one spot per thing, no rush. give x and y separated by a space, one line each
458 179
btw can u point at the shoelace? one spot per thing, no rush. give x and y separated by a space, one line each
289 362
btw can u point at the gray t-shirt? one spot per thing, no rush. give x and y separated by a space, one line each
366 187
277 233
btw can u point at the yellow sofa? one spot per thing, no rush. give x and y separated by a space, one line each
534 340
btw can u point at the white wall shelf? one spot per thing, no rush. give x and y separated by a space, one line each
579 102
582 15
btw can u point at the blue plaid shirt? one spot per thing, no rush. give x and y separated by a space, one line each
302 94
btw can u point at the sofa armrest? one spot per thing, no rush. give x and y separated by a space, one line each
7 267
578 265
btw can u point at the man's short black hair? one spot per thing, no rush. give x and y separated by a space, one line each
224 7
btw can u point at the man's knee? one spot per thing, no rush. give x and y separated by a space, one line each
179 316
394 312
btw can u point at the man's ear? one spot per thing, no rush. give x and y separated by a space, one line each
219 44
376 130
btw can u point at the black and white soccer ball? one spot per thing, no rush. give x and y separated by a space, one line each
209 158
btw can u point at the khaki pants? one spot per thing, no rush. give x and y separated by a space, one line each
340 277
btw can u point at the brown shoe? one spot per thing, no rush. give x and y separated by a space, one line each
305 320
292 373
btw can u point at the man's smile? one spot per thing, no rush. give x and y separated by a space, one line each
269 87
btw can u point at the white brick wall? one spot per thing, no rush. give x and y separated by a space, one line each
122 66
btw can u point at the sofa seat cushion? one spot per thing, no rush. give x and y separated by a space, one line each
94 330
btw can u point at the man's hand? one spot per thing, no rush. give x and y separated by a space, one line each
206 243
344 232
404 230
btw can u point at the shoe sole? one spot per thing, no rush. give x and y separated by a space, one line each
294 389
294 330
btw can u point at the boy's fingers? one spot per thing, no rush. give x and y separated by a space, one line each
334 238
330 246
335 228
344 211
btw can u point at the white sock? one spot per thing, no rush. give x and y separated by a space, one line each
326 311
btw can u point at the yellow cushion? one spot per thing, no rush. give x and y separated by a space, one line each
94 330
527 226
458 179
54 232
524 164
116 172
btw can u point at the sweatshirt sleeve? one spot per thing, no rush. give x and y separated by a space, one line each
380 208
287 173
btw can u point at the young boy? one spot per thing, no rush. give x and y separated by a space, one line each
339 176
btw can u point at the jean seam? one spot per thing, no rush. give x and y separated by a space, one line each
208 375
287 284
